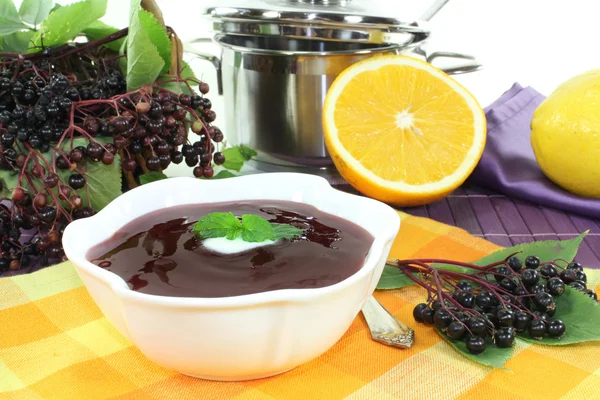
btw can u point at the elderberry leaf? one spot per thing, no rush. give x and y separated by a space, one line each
581 316
158 36
256 229
65 23
99 30
144 60
218 224
103 183
546 250
393 278
35 11
151 177
493 356
10 21
17 42
235 157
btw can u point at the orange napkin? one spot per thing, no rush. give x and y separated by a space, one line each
56 344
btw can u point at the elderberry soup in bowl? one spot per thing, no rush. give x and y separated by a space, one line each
233 279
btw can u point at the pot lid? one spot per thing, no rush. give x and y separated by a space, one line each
328 20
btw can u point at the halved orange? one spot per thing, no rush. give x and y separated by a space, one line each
402 131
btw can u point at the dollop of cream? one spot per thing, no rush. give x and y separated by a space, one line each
238 245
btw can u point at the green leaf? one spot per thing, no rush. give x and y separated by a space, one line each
285 231
152 177
393 278
581 316
235 157
548 250
65 23
144 60
158 36
99 30
9 18
35 11
493 356
218 224
17 42
256 229
103 183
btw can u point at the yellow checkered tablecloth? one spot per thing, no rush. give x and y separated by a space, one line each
56 344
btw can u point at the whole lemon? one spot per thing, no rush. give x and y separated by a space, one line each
565 135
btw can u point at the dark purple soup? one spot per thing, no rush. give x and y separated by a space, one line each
158 253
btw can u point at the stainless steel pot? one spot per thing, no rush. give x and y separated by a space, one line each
274 85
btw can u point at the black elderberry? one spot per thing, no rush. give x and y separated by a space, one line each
501 273
555 286
578 285
176 157
462 285
155 110
7 140
165 160
5 117
442 318
464 298
537 329
541 315
12 128
162 149
4 264
418 311
76 181
462 317
532 262
556 328
530 277
504 337
48 214
196 101
153 163
456 330
591 294
548 271
94 150
206 103
568 275
576 266
515 263
507 284
521 321
477 326
475 344
505 317
581 276
544 302
219 158
537 288
191 161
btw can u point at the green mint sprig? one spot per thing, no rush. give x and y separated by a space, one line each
251 228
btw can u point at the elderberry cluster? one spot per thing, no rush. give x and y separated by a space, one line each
497 303
61 115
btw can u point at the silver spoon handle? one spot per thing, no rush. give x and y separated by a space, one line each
385 328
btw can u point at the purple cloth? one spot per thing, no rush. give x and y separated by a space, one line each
508 165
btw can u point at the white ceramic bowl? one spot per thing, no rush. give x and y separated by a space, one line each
240 337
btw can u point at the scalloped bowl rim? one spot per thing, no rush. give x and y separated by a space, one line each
385 234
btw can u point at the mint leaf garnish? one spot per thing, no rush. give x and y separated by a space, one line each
256 229
285 231
252 228
218 224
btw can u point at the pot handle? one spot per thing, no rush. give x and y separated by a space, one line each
214 60
473 66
